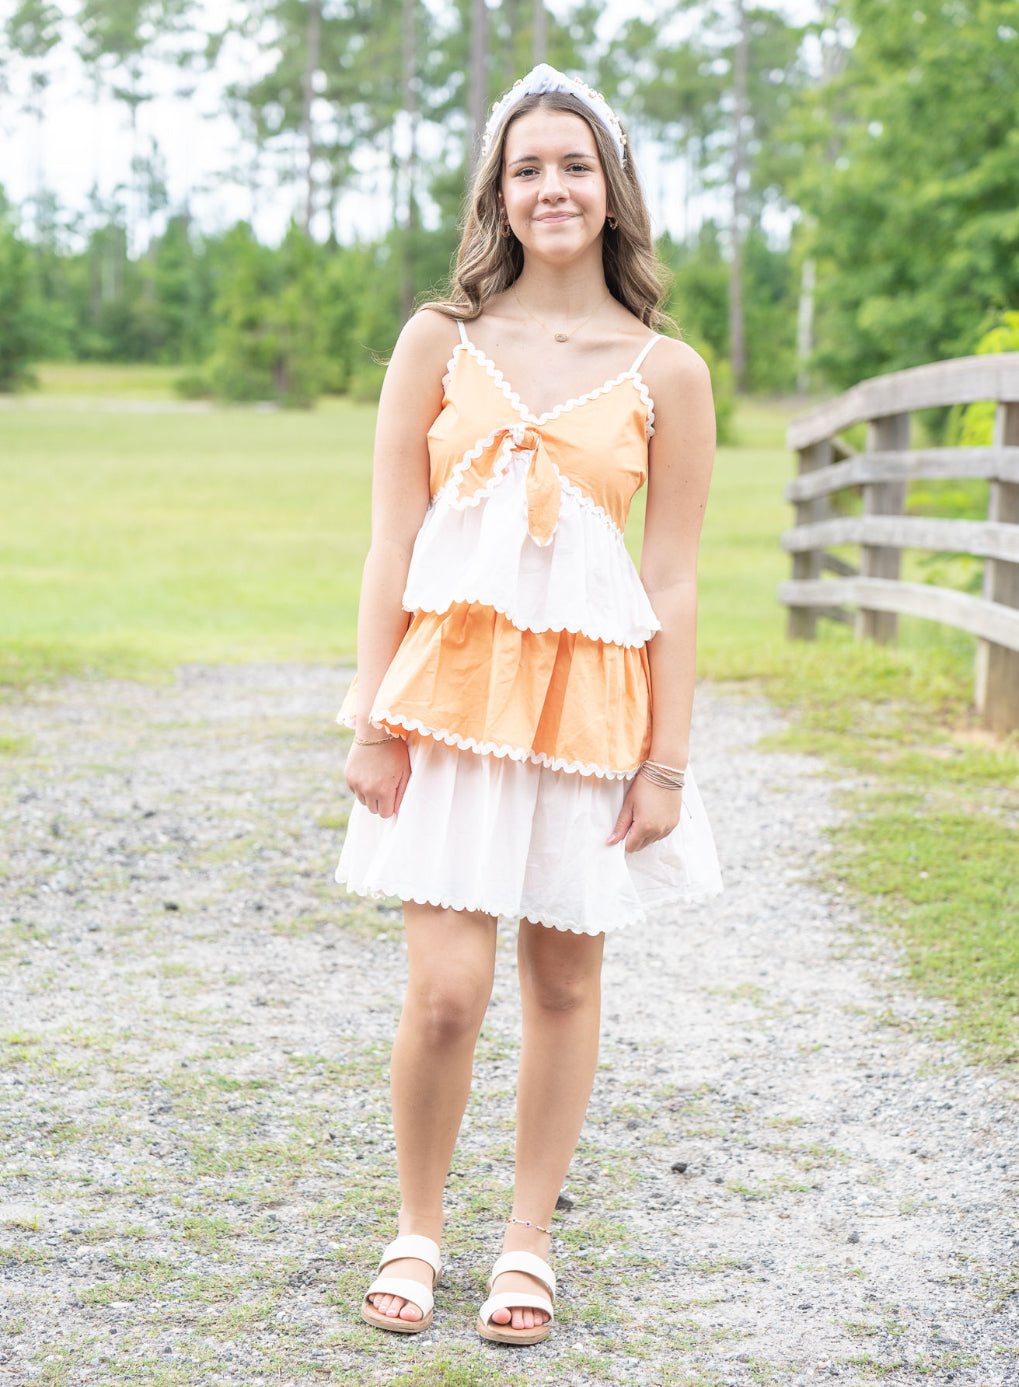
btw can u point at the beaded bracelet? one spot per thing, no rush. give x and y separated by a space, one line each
527 1223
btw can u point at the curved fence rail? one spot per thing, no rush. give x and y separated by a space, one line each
882 473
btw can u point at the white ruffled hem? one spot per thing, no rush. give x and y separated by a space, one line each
512 839
501 751
481 552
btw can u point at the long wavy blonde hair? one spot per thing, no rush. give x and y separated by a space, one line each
488 262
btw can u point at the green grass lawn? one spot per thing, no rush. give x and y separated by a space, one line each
134 540
107 379
741 624
131 541
138 540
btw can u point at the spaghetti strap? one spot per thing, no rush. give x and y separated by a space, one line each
463 332
643 353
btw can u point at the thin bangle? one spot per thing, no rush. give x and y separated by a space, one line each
668 777
376 741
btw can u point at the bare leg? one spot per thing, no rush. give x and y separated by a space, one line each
560 991
451 958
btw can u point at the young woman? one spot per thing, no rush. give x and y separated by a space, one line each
505 758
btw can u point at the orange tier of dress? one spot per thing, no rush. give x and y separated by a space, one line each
522 683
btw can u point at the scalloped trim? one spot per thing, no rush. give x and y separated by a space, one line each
452 484
586 503
538 419
447 379
537 758
649 405
441 903
476 600
687 896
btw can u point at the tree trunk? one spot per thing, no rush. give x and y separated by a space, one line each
410 107
687 191
540 31
479 76
313 47
805 325
511 27
737 344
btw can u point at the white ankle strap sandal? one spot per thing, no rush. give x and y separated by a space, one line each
518 1300
422 1250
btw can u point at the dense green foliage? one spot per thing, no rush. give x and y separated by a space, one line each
20 319
699 304
878 147
912 179
251 322
972 426
269 330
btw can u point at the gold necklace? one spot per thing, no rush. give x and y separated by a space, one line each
559 336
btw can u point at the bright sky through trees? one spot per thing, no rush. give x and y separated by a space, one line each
84 139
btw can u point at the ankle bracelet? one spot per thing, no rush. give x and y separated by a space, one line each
527 1223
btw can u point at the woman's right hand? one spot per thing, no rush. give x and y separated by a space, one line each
378 775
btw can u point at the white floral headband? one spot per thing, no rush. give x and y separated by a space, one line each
543 79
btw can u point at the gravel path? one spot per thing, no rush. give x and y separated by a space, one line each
782 1178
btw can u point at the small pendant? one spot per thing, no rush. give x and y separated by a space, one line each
562 337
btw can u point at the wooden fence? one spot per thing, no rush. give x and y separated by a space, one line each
883 472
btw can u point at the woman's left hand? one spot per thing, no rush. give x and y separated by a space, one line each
649 812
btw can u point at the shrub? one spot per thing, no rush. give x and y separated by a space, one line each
972 426
20 317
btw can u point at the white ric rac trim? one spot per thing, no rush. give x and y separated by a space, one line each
632 374
500 750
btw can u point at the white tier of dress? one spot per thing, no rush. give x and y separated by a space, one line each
513 839
478 549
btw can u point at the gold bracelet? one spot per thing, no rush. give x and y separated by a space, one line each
377 741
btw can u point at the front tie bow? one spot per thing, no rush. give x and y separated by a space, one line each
542 484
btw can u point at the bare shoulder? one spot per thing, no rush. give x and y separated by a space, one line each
674 368
417 367
427 341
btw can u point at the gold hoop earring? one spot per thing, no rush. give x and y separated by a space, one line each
613 223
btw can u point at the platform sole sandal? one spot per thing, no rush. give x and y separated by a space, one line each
421 1250
531 1265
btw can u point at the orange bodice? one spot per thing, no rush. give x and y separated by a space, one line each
596 443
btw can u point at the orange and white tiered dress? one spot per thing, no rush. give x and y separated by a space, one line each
522 683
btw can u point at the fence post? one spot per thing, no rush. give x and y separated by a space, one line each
997 669
889 434
802 622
